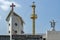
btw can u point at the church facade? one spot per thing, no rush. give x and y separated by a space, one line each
15 24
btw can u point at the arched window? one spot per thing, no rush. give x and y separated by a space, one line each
9 24
15 24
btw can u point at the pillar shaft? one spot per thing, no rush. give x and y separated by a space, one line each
33 26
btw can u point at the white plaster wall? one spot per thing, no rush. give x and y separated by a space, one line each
19 27
44 35
53 35
12 20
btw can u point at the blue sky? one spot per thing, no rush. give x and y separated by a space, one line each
46 10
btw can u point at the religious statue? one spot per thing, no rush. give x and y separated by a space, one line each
53 24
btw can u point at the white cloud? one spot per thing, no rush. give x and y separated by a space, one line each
4 4
4 7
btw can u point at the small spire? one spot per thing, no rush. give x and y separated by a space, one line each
33 17
33 5
12 6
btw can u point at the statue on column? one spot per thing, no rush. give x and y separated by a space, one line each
52 25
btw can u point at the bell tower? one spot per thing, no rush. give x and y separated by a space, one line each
15 22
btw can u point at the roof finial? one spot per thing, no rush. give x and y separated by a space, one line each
33 2
12 6
33 5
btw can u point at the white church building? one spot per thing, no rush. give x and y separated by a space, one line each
15 24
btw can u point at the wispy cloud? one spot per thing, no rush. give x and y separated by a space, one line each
4 4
